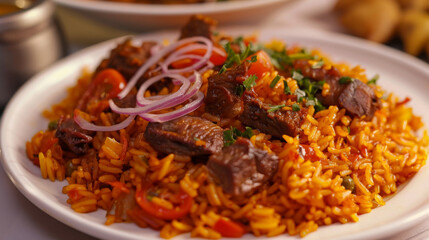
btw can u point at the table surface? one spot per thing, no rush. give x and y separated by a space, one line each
23 220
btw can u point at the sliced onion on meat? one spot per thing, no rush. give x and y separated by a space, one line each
197 100
185 93
84 124
162 53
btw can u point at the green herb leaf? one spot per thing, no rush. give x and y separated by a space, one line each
253 59
231 135
301 55
345 80
197 139
373 79
286 88
276 108
248 133
296 107
275 81
250 82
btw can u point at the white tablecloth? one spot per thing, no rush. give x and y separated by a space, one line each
20 219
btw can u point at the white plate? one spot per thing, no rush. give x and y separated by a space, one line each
399 72
139 17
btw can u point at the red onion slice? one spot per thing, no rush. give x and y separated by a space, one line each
155 59
190 107
92 127
153 105
142 101
194 66
176 101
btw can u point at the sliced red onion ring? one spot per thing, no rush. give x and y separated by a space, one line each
190 107
173 57
176 77
142 101
92 127
155 59
153 105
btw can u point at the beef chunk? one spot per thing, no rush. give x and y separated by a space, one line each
356 97
359 99
198 26
128 101
180 136
72 137
222 99
241 168
127 58
277 123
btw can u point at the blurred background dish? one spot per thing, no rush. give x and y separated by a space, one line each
30 40
137 16
399 23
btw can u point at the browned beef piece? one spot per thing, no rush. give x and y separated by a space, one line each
356 97
179 136
359 99
72 137
241 168
277 123
222 99
198 26
127 58
128 101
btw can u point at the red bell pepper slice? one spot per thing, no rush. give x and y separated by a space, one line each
155 210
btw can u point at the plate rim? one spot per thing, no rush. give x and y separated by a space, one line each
166 10
352 42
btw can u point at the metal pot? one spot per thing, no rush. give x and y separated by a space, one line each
30 40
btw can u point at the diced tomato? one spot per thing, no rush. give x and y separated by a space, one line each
106 85
261 65
229 228
216 58
155 210
109 83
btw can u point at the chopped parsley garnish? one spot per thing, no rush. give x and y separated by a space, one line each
197 139
297 75
231 135
308 90
345 80
373 79
238 58
318 64
316 103
254 58
296 107
250 82
286 88
280 58
275 81
276 108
